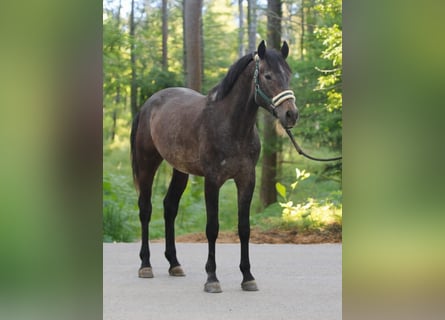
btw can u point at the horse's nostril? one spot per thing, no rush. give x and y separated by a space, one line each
288 114
291 115
290 118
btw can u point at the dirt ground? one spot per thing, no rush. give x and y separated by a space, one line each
331 234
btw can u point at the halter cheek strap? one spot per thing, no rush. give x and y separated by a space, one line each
272 103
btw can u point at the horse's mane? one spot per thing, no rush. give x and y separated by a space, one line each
223 88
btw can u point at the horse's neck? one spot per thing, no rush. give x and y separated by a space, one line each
240 106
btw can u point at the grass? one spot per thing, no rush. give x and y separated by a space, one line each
121 221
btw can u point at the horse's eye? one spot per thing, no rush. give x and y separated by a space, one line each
268 77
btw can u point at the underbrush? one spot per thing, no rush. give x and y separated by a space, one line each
120 217
303 215
307 202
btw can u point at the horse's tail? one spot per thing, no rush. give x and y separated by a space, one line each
134 163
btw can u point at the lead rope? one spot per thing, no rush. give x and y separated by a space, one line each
276 101
300 151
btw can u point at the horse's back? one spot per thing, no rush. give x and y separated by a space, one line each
172 120
171 98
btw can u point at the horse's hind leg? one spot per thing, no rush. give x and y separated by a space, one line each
146 176
171 203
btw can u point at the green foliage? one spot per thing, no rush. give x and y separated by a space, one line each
301 175
317 81
311 214
157 79
331 78
120 215
220 41
319 124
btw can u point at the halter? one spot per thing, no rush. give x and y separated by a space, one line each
272 103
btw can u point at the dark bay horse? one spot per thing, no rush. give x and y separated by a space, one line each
212 136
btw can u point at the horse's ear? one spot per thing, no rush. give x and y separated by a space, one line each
285 50
261 50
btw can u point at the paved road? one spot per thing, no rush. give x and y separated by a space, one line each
295 282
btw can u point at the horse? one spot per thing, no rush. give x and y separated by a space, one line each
213 136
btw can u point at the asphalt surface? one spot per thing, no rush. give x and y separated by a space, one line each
294 281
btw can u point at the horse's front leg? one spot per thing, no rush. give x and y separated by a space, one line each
211 198
245 184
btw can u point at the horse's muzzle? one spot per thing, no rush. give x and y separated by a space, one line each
288 115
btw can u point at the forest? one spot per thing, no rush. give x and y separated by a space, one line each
148 45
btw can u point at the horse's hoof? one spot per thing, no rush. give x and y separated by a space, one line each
212 287
145 272
176 272
249 286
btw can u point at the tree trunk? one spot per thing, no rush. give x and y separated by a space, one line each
164 35
311 17
133 87
302 30
268 193
117 98
113 127
274 15
251 21
241 29
193 46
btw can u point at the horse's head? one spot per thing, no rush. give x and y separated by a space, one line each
272 77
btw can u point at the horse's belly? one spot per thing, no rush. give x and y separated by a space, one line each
183 161
178 143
